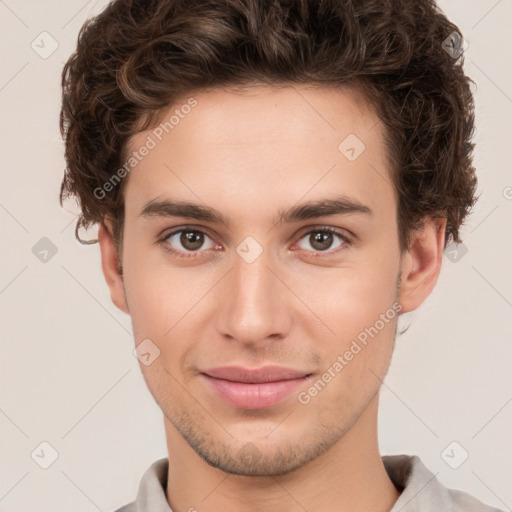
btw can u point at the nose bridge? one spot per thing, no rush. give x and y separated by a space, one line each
254 306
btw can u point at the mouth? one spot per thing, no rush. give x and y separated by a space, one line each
259 388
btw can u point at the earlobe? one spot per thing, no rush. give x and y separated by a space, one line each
110 265
421 264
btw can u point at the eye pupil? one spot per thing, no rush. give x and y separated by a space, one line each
321 240
192 240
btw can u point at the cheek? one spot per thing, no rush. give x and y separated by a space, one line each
167 305
350 299
158 294
355 359
160 301
356 303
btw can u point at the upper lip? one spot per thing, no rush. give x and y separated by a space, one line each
254 375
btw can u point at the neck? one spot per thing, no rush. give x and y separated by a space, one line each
350 476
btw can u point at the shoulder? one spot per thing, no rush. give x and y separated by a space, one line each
463 501
130 507
151 492
421 491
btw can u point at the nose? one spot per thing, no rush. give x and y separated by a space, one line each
255 307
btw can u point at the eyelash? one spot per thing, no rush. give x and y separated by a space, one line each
347 241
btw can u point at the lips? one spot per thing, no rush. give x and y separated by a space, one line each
248 388
254 376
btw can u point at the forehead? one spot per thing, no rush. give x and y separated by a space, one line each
256 112
264 144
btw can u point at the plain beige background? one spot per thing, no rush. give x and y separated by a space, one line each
68 375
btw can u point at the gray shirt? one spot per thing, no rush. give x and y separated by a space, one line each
421 491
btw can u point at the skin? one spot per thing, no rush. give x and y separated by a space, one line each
249 155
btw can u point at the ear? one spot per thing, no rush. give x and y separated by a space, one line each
110 265
421 264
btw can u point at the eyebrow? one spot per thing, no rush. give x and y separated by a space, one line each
340 205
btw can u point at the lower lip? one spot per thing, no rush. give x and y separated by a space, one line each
254 396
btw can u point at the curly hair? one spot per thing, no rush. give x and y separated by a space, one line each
138 57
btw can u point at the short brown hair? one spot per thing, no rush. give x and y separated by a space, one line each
136 58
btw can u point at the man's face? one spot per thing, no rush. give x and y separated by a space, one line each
257 292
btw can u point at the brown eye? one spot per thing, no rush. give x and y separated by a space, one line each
191 240
187 240
321 240
324 240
